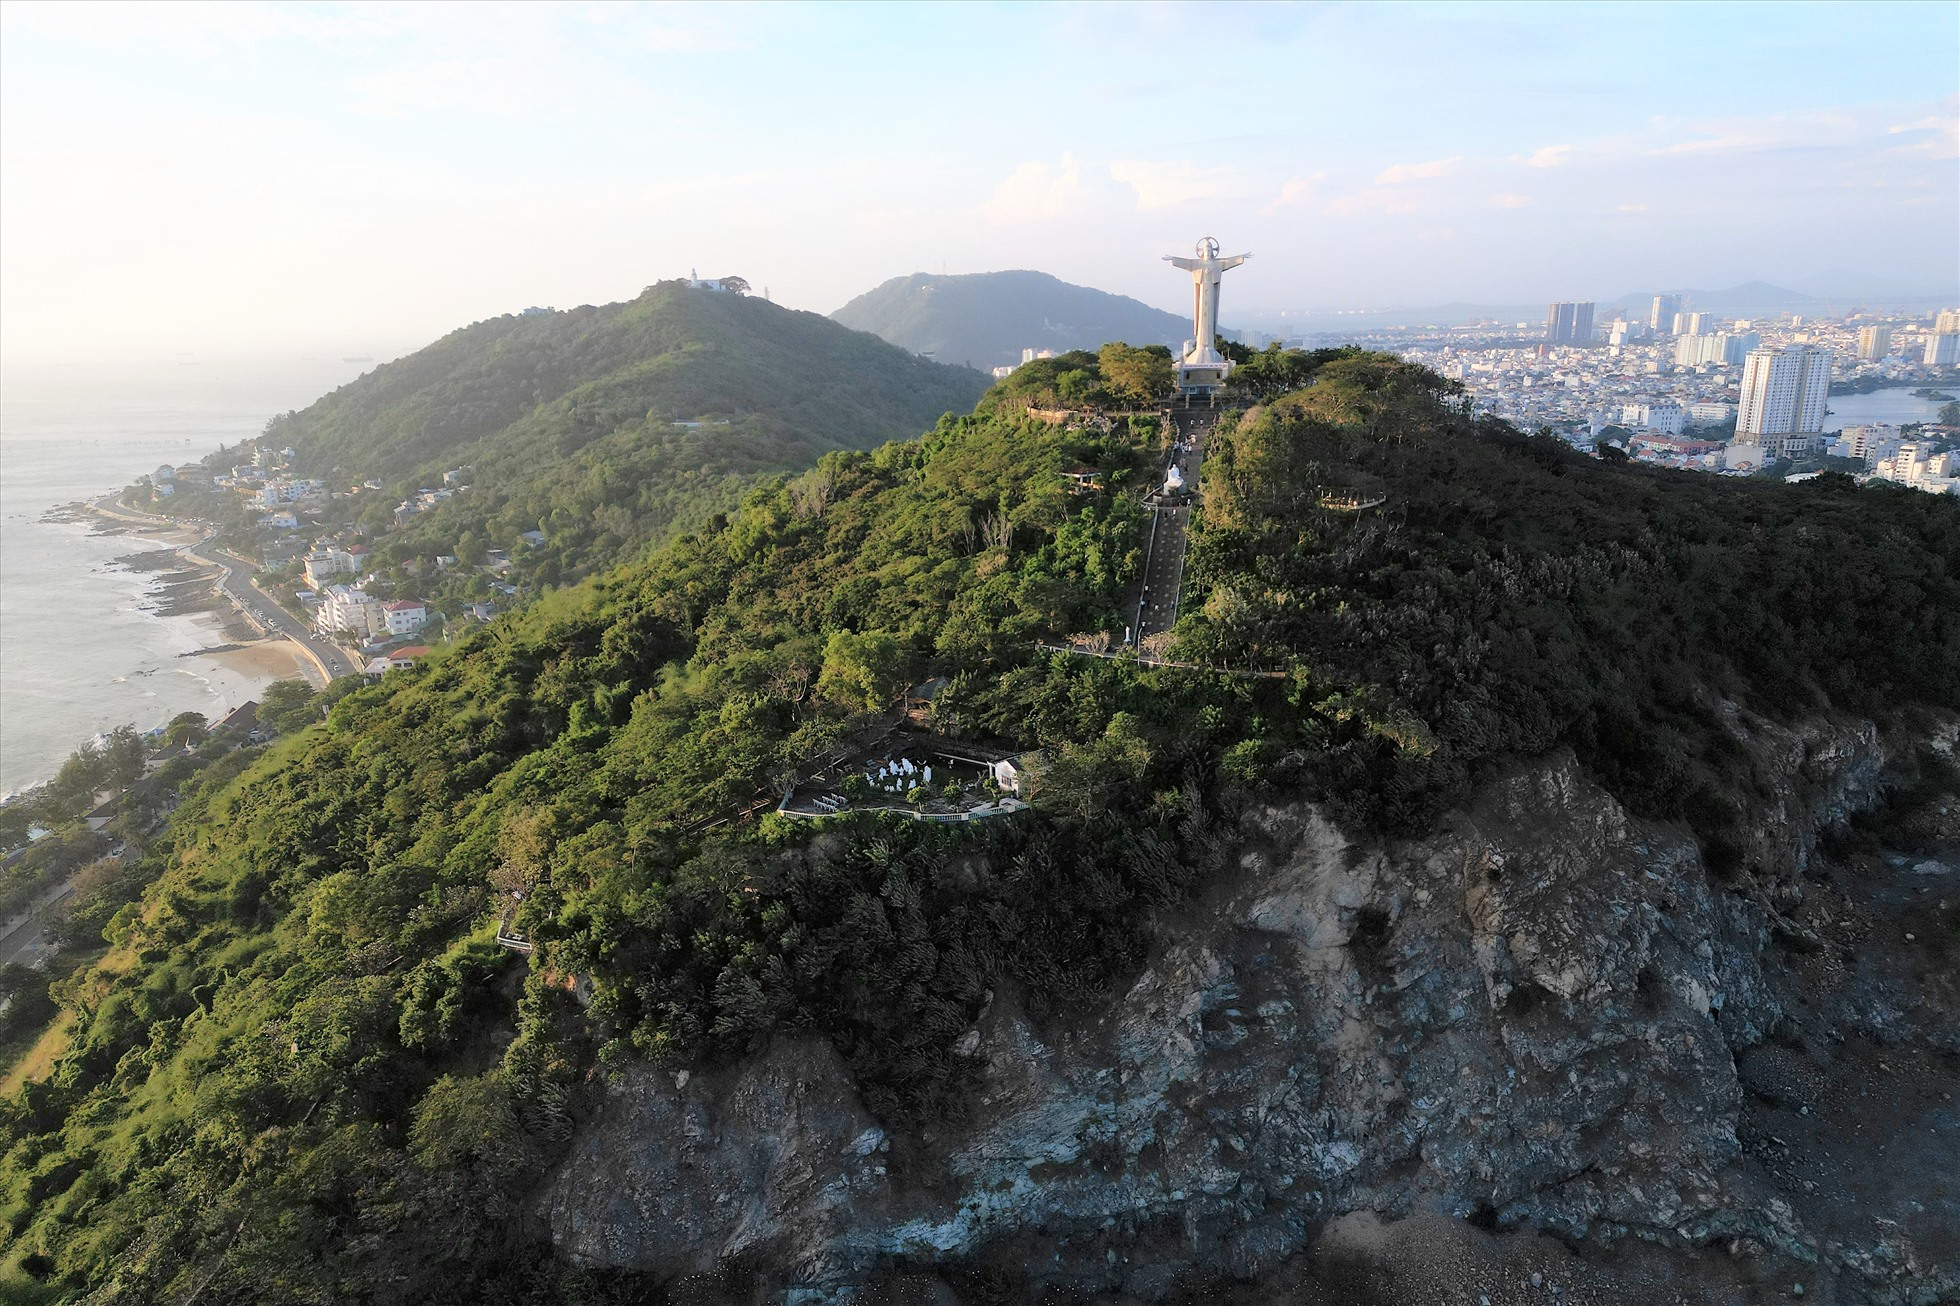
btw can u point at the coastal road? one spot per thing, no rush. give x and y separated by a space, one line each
1156 601
23 939
237 578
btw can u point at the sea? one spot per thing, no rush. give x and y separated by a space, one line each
81 649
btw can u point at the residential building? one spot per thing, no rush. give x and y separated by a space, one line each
322 565
1783 399
1874 342
1948 322
1693 324
398 660
1711 414
1942 349
405 616
1569 324
1871 442
1724 349
1915 464
342 607
1668 418
1660 316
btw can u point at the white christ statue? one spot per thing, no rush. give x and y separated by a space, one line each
1206 270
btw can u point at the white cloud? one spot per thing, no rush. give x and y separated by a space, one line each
1166 185
1037 192
1938 137
1405 172
1509 201
1372 199
1295 192
1546 156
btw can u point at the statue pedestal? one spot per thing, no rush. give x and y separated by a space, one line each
1201 378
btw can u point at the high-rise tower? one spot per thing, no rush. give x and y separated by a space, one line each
1569 324
1784 392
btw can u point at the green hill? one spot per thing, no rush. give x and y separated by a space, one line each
304 1071
533 385
986 319
603 425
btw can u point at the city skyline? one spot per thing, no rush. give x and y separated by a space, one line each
334 177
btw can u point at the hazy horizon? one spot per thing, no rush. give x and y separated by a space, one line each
222 181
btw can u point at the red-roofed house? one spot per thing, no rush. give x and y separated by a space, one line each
397 660
406 616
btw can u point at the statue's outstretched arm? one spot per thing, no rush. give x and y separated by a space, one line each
1188 264
1232 262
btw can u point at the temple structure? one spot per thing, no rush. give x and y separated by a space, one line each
1203 368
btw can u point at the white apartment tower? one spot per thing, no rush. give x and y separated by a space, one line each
1660 315
1874 342
1947 323
1942 349
1783 396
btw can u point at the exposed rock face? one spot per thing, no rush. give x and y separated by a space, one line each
1530 1018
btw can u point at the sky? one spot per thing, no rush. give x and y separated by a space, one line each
243 177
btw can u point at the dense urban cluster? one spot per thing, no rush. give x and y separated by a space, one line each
1690 389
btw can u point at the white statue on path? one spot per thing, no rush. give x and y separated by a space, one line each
1206 271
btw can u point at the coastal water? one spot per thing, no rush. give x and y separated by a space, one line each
1895 406
80 650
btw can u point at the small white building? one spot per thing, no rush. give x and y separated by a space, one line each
405 616
323 564
1015 775
1667 418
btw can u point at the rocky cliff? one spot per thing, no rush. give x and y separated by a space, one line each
1548 1016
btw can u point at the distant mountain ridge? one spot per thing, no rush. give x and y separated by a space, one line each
985 319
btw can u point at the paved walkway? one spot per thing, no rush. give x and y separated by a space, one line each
1153 605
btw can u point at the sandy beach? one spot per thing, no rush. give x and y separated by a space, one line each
265 660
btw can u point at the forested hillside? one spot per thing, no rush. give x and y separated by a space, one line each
304 1071
604 427
517 391
985 319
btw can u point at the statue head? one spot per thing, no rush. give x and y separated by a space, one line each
1207 248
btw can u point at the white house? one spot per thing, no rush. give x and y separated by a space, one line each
1015 775
342 607
405 616
322 565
